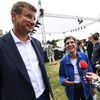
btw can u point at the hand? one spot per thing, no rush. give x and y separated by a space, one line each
70 82
91 76
93 91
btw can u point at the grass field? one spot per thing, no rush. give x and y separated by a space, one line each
58 90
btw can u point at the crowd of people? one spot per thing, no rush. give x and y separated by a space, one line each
22 68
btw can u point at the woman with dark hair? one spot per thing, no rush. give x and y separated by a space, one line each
71 74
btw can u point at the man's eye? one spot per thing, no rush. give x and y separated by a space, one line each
29 16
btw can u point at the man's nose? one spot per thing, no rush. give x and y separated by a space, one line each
32 21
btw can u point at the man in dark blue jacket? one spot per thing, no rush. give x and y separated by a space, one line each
22 71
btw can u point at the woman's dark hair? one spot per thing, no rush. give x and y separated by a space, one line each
70 37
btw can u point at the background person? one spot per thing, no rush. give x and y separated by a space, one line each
89 48
22 70
50 54
96 51
80 46
94 78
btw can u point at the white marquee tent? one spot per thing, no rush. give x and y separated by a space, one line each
60 18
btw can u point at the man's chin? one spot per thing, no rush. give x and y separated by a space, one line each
29 29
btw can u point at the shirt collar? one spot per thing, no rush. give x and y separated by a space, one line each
17 40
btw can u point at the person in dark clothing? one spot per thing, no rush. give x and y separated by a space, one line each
22 69
80 46
96 51
89 48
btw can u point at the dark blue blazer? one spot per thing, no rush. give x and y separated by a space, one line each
15 83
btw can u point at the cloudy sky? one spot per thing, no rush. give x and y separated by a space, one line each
88 9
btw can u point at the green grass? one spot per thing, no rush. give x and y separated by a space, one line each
58 90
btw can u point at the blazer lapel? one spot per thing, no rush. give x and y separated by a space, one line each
15 56
36 48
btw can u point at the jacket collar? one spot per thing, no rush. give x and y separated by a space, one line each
79 57
14 55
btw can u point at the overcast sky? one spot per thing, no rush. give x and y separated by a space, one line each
84 8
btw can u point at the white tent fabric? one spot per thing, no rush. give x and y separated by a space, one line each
53 26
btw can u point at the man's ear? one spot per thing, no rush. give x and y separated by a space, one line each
13 15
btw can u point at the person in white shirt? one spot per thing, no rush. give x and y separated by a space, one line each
22 69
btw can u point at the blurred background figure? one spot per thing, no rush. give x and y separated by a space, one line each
93 51
95 59
80 46
89 47
50 54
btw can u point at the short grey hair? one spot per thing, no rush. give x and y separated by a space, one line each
18 7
